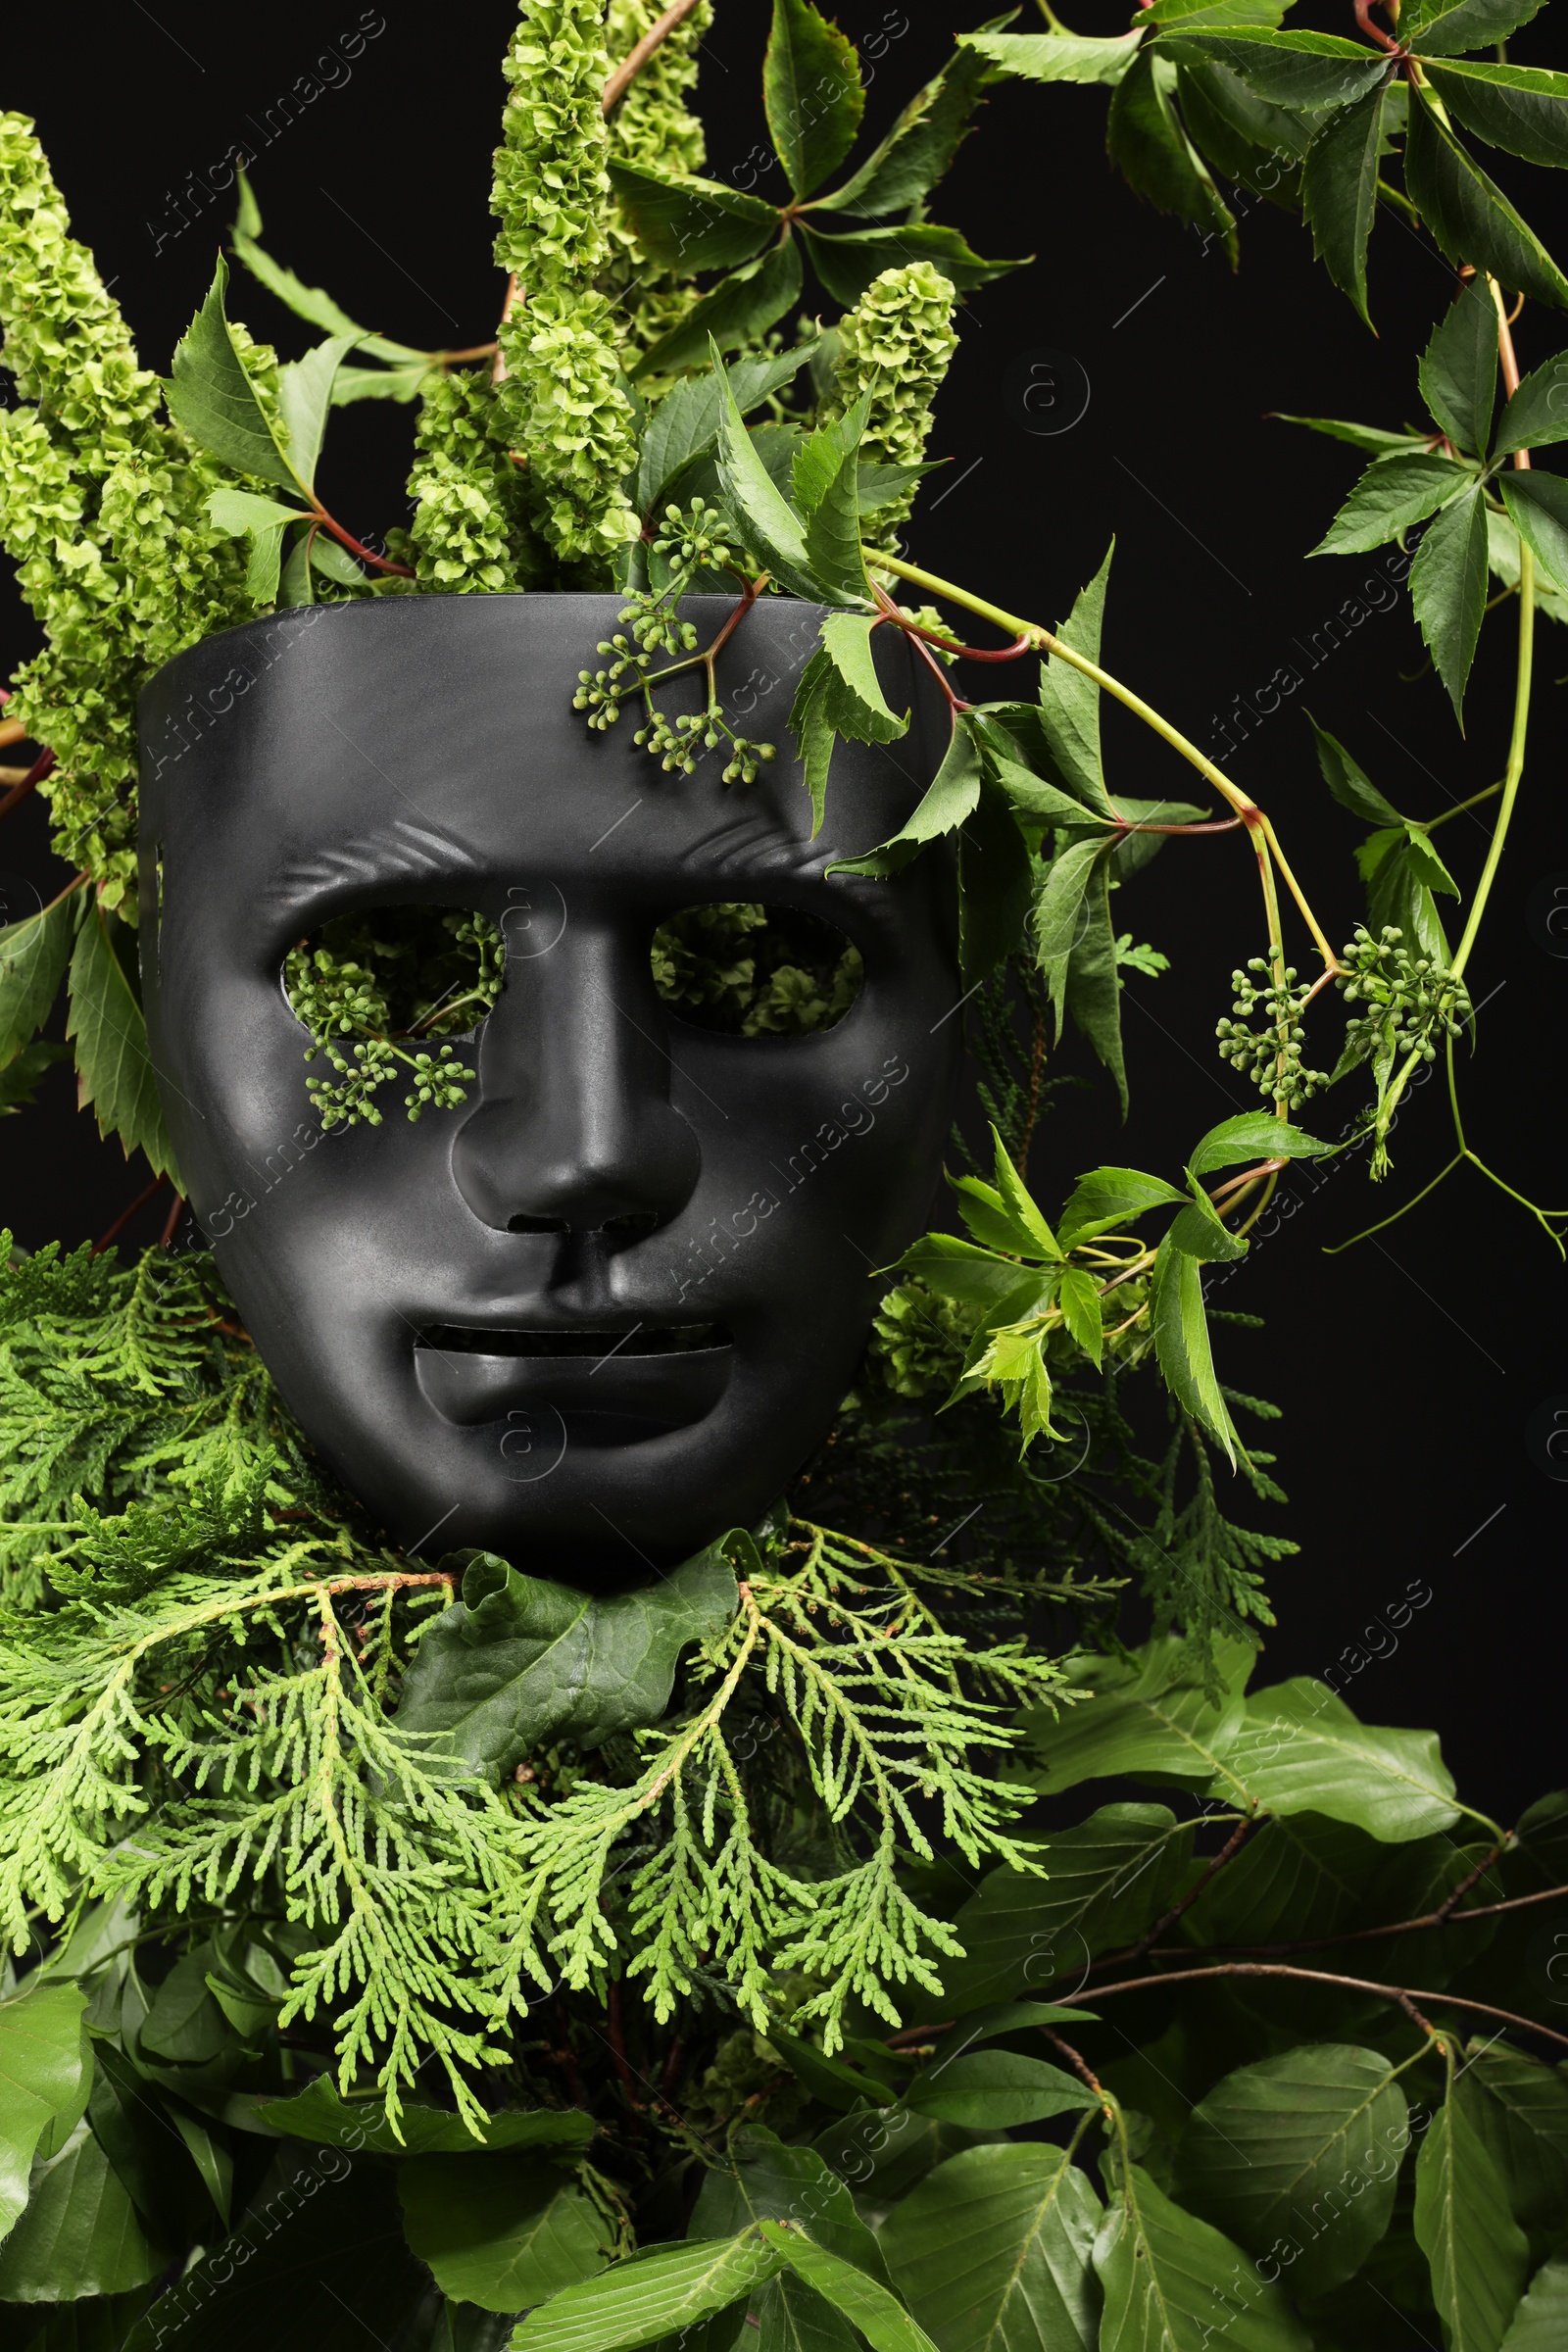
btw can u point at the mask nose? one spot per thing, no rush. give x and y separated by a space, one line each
575 1130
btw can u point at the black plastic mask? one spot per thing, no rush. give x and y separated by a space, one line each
605 1307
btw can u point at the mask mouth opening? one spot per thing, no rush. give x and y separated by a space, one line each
579 1339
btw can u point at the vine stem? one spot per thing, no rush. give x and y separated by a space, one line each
632 63
1404 1996
43 766
1045 642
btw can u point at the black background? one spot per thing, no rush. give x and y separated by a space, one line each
1409 1368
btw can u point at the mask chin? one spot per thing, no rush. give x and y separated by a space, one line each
597 1304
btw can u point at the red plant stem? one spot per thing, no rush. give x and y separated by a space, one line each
1374 32
951 644
41 767
356 546
114 1231
1401 1994
166 1238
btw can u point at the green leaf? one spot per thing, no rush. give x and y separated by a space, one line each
1307 70
881 484
1180 1328
770 523
1106 1880
789 2317
1069 701
829 2079
767 2181
855 698
814 732
502 2231
1318 2131
43 2070
1537 413
1448 590
1446 27
1523 109
33 955
1469 215
321 2114
847 265
1297 1878
79 2235
315 305
1258 145
738 311
1091 991
1370 437
304 397
1299 1749
1252 1135
1058 916
1056 56
337 2271
24 1072
957 1270
1537 506
1396 897
185 2023
994 879
1348 781
1032 1235
241 513
993 2251
684 425
1137 1719
1475 2249
1081 1312
1146 139
1459 369
653 2295
1036 798
1107 1199
114 1071
953 795
996 2090
1541 2323
1162 2270
921 144
1393 494
811 94
878 2315
213 398
688 223
379 384
1425 863
520 1659
1201 1232
1340 191
1178 16
1519 2110
833 551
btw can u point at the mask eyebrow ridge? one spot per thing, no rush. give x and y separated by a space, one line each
729 842
396 853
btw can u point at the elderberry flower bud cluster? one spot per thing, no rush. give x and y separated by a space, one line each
1272 1057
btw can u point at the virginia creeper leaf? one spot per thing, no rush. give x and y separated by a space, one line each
1146 139
1523 109
1538 504
1107 1199
1447 28
996 875
922 142
1459 369
856 701
953 795
114 1071
1307 70
304 396
213 397
1537 413
307 302
1056 56
688 223
738 311
1182 1348
685 422
1348 782
1448 590
1069 701
1092 987
1370 437
765 515
1340 191
33 955
833 549
847 265
519 1657
1393 494
1469 215
1252 1135
811 94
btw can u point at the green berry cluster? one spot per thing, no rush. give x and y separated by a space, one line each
896 344
373 987
1272 1057
689 544
1411 1001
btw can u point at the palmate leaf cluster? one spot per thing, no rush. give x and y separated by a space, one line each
1281 2146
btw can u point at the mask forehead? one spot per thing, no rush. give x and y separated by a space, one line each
428 747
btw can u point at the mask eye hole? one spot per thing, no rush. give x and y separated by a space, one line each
749 970
383 992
